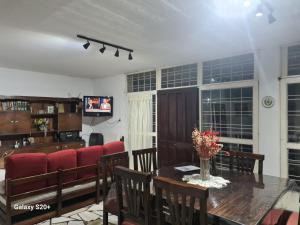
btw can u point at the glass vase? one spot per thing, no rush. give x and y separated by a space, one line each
204 168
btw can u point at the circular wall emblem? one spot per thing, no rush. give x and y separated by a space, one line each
268 101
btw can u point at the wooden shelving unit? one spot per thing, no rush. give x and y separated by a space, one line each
19 116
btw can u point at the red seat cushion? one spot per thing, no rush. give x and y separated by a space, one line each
65 159
293 219
113 147
273 217
25 165
129 222
88 156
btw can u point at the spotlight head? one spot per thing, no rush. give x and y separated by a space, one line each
130 56
247 3
271 18
117 53
86 45
102 49
259 10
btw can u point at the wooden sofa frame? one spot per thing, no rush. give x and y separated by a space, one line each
60 203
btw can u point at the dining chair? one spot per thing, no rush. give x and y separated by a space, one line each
176 202
145 160
108 164
245 161
133 195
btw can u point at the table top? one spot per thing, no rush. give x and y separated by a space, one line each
246 200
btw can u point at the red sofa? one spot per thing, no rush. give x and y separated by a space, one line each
52 180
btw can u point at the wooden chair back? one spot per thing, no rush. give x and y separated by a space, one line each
180 199
108 164
133 194
145 160
245 161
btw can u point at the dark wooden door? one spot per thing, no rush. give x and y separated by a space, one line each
7 123
177 115
69 121
22 122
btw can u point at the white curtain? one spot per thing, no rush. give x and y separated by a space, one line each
139 120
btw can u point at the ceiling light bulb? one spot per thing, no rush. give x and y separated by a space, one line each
102 49
117 53
247 3
86 45
130 56
271 18
259 11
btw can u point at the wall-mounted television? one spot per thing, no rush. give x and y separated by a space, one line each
97 106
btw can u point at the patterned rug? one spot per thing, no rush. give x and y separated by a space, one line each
91 215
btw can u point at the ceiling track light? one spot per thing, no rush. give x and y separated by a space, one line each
130 56
86 45
271 18
102 49
117 53
104 43
259 10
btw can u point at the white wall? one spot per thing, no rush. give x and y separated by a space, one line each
28 83
111 128
269 64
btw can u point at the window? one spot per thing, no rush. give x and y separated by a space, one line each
228 99
294 112
228 111
294 164
229 69
179 76
290 113
141 82
294 60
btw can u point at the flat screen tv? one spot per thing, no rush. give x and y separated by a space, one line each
97 106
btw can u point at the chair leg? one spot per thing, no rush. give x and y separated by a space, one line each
105 218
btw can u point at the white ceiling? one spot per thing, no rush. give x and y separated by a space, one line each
40 35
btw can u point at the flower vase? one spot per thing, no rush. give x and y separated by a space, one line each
204 168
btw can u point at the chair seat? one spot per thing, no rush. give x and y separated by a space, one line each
129 222
273 217
293 219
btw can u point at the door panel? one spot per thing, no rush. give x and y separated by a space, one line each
69 121
177 115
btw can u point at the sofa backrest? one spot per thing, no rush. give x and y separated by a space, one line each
25 165
64 159
113 147
88 156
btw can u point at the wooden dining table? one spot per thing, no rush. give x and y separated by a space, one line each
245 200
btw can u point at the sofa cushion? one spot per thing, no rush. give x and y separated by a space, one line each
88 156
293 219
65 159
113 147
25 165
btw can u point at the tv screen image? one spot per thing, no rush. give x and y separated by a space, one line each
98 105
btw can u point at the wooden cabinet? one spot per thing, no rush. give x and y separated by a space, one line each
15 123
69 121
40 120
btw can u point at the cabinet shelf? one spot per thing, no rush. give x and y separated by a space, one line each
46 115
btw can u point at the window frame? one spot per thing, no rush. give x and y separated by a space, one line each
235 84
285 80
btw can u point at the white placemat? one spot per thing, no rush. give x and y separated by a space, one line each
213 182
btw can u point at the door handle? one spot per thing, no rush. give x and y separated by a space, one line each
16 121
12 121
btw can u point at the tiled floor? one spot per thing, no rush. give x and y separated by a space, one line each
91 215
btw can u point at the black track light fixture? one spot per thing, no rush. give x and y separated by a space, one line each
130 56
86 45
102 49
117 53
271 18
259 10
104 45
